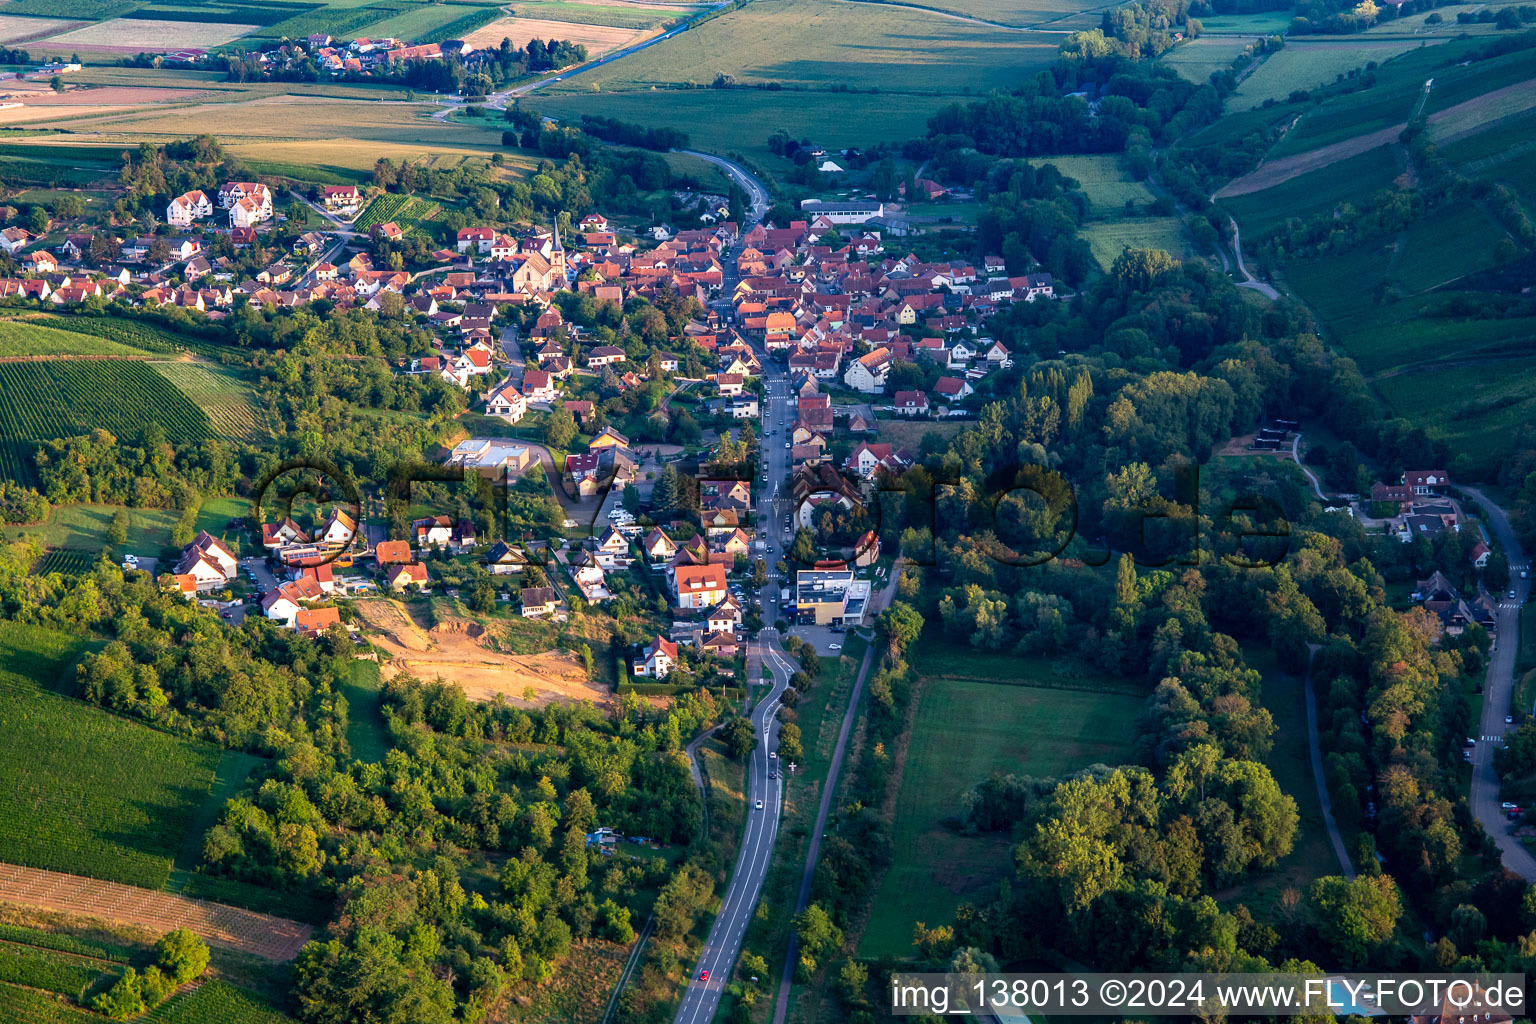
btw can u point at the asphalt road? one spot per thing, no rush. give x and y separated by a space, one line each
1496 695
702 998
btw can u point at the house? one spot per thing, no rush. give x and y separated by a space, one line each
724 617
504 559
953 389
581 468
282 605
538 386
337 197
655 660
605 355
246 213
279 535
435 531
866 550
699 587
187 208
392 552
866 458
725 494
538 602
339 529
1426 481
608 438
729 384
506 403
403 577
657 546
825 597
911 403
724 645
12 240
207 548
314 621
1479 555
868 372
744 407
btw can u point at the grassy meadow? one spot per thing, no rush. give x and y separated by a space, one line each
982 715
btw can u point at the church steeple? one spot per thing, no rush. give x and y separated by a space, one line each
557 255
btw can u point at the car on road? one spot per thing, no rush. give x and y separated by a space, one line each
1506 806
773 775
834 647
1509 719
759 805
787 446
773 754
704 974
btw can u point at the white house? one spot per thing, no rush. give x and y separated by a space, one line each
339 529
655 661
868 372
188 207
506 403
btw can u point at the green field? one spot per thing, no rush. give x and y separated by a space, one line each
1252 26
39 401
1350 180
1108 239
87 792
1306 65
432 23
228 401
816 44
1198 58
367 734
964 730
823 116
216 1003
69 561
406 211
19 338
85 527
1106 185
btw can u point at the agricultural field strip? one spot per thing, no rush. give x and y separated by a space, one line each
263 935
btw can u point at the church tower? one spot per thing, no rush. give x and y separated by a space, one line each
557 257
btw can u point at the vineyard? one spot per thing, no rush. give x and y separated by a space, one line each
20 338
67 561
87 792
228 401
39 401
406 211
23 1006
49 970
132 333
216 1003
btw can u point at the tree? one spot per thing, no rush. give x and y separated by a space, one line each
182 955
117 533
56 83
897 627
1354 918
37 220
789 742
560 428
740 738
818 936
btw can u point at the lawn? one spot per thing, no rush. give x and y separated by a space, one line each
1108 239
366 732
1107 186
963 730
85 527
817 44
87 792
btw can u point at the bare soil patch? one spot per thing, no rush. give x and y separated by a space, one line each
133 35
271 938
462 652
18 29
598 39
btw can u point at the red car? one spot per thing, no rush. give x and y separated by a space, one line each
704 975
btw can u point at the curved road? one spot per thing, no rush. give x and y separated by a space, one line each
1496 696
766 796
756 192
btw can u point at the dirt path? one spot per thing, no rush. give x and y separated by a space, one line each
462 652
1276 172
271 938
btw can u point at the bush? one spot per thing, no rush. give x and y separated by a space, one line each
182 955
